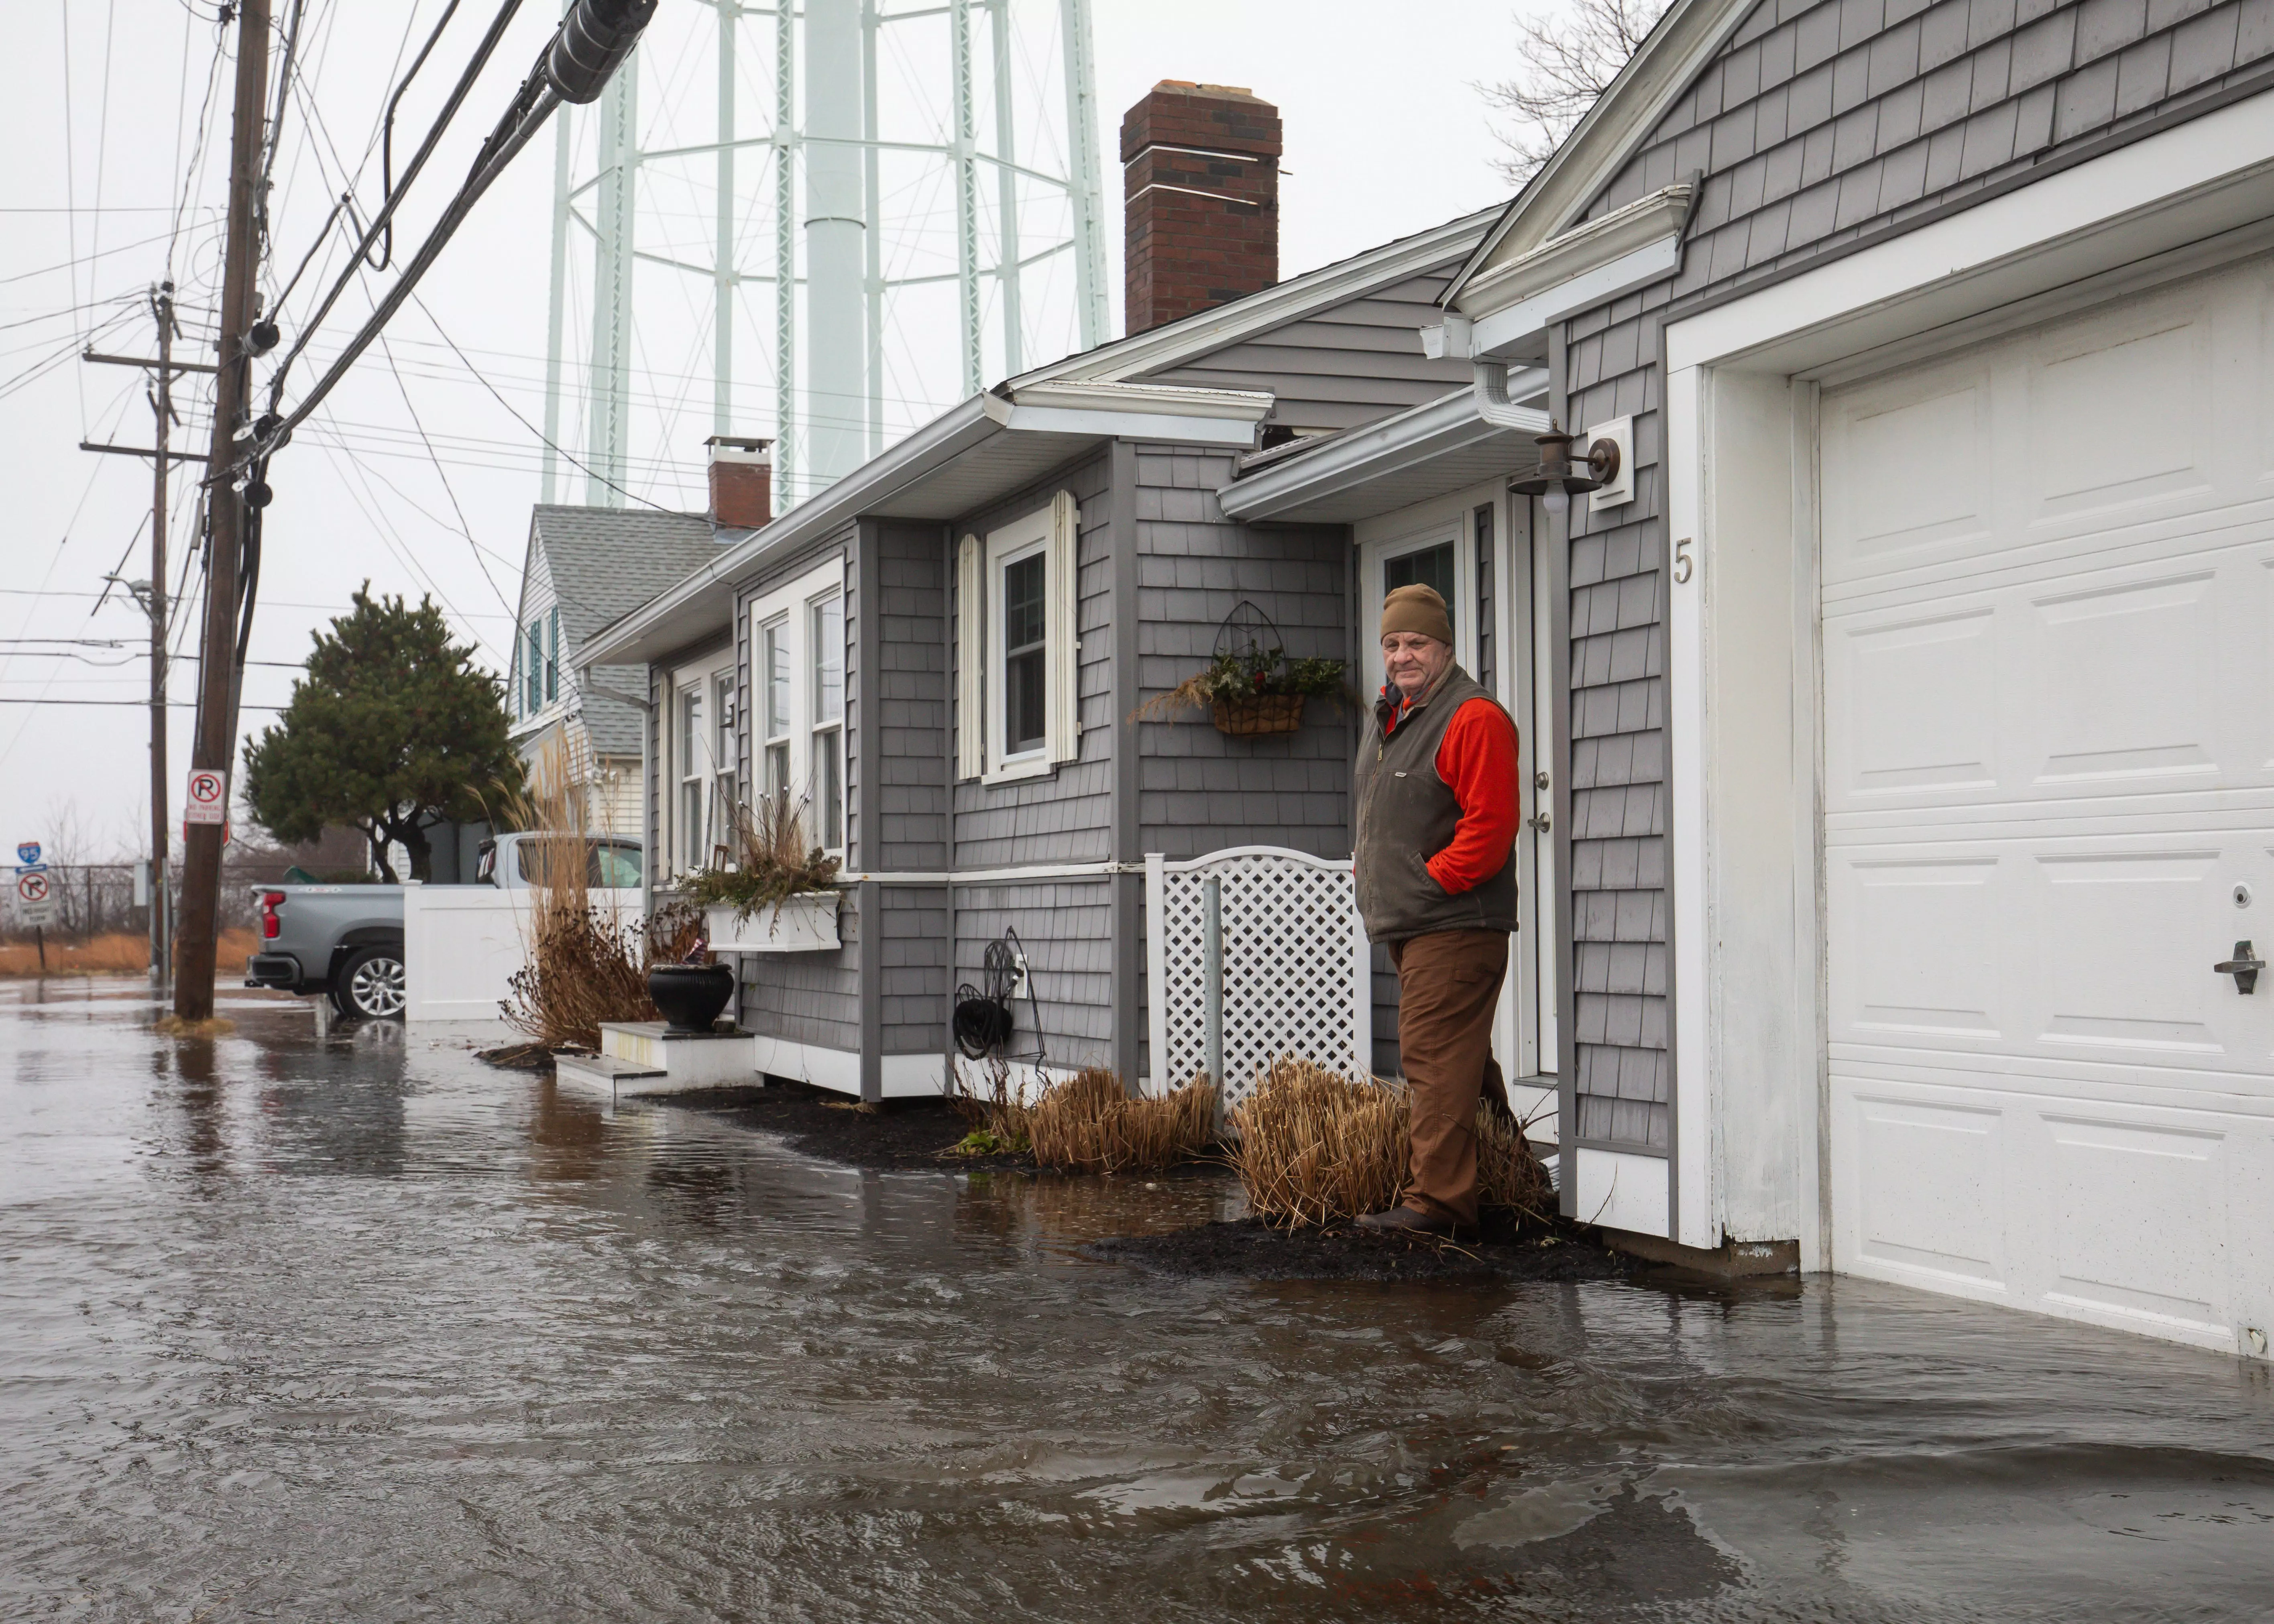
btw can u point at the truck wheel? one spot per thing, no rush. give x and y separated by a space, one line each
370 984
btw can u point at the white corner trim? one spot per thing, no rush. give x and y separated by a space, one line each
1690 1012
1176 400
2183 183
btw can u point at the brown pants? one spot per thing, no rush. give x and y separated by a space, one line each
1448 987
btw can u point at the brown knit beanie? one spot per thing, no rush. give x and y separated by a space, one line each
1417 608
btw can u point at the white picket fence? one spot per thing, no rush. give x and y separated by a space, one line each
463 943
1297 968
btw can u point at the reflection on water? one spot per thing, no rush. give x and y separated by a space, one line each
364 1330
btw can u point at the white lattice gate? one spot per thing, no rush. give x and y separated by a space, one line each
1297 970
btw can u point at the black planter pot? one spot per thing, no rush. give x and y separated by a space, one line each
691 996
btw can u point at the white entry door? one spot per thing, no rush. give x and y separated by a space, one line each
2048 568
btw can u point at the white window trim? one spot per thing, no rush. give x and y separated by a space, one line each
814 728
794 600
703 676
1052 528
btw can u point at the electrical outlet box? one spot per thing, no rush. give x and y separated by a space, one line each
1619 489
1019 975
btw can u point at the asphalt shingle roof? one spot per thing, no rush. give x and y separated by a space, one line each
605 562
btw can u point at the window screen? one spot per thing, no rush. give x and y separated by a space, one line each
1025 722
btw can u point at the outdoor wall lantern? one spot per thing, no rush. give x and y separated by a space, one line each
1556 482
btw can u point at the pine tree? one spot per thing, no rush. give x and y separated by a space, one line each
393 726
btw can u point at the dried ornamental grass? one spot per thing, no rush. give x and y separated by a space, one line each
1315 1146
1089 1123
585 966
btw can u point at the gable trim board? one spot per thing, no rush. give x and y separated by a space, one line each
1505 312
1752 1094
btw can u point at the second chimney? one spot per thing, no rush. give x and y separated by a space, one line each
742 481
1199 168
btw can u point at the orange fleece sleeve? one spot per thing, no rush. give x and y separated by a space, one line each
1478 758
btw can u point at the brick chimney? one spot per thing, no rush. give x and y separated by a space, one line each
1200 190
742 481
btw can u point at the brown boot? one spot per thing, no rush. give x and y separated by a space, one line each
1405 1220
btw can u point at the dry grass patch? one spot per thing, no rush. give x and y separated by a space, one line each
1089 1123
117 952
1313 1146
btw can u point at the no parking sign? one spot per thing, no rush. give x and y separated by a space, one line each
208 798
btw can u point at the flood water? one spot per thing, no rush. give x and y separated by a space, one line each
365 1330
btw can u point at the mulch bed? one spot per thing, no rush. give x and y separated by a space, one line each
1249 1248
891 1134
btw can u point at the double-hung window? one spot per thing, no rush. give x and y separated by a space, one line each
723 756
774 667
533 670
692 760
797 724
828 656
1016 654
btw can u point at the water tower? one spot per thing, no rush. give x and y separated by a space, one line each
836 220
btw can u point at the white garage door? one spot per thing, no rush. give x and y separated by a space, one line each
2049 797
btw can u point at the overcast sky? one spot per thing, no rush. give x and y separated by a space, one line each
419 474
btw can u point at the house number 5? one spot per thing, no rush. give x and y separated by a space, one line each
1682 561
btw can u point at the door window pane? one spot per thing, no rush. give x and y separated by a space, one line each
1430 566
1024 650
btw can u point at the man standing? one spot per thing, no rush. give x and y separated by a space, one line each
1436 794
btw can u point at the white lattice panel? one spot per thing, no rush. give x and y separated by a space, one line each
1295 976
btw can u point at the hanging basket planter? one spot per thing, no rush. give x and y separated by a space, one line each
1244 717
1251 689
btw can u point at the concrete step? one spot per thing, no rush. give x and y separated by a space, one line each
692 1059
607 1075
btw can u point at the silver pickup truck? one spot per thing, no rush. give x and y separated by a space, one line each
347 940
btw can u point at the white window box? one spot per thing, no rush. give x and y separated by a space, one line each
805 923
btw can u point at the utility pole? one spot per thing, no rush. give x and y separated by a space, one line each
151 596
162 402
214 741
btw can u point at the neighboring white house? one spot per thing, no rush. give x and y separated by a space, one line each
584 566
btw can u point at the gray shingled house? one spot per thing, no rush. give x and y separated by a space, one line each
584 566
939 655
1910 766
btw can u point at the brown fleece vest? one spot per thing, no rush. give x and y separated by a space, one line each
1406 814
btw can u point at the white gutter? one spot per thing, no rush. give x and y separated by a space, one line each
1101 412
1415 436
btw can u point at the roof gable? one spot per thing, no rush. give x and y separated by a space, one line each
603 562
1686 40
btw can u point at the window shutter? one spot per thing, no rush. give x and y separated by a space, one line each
552 657
1059 627
970 661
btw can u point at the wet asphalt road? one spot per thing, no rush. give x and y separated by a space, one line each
368 1331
